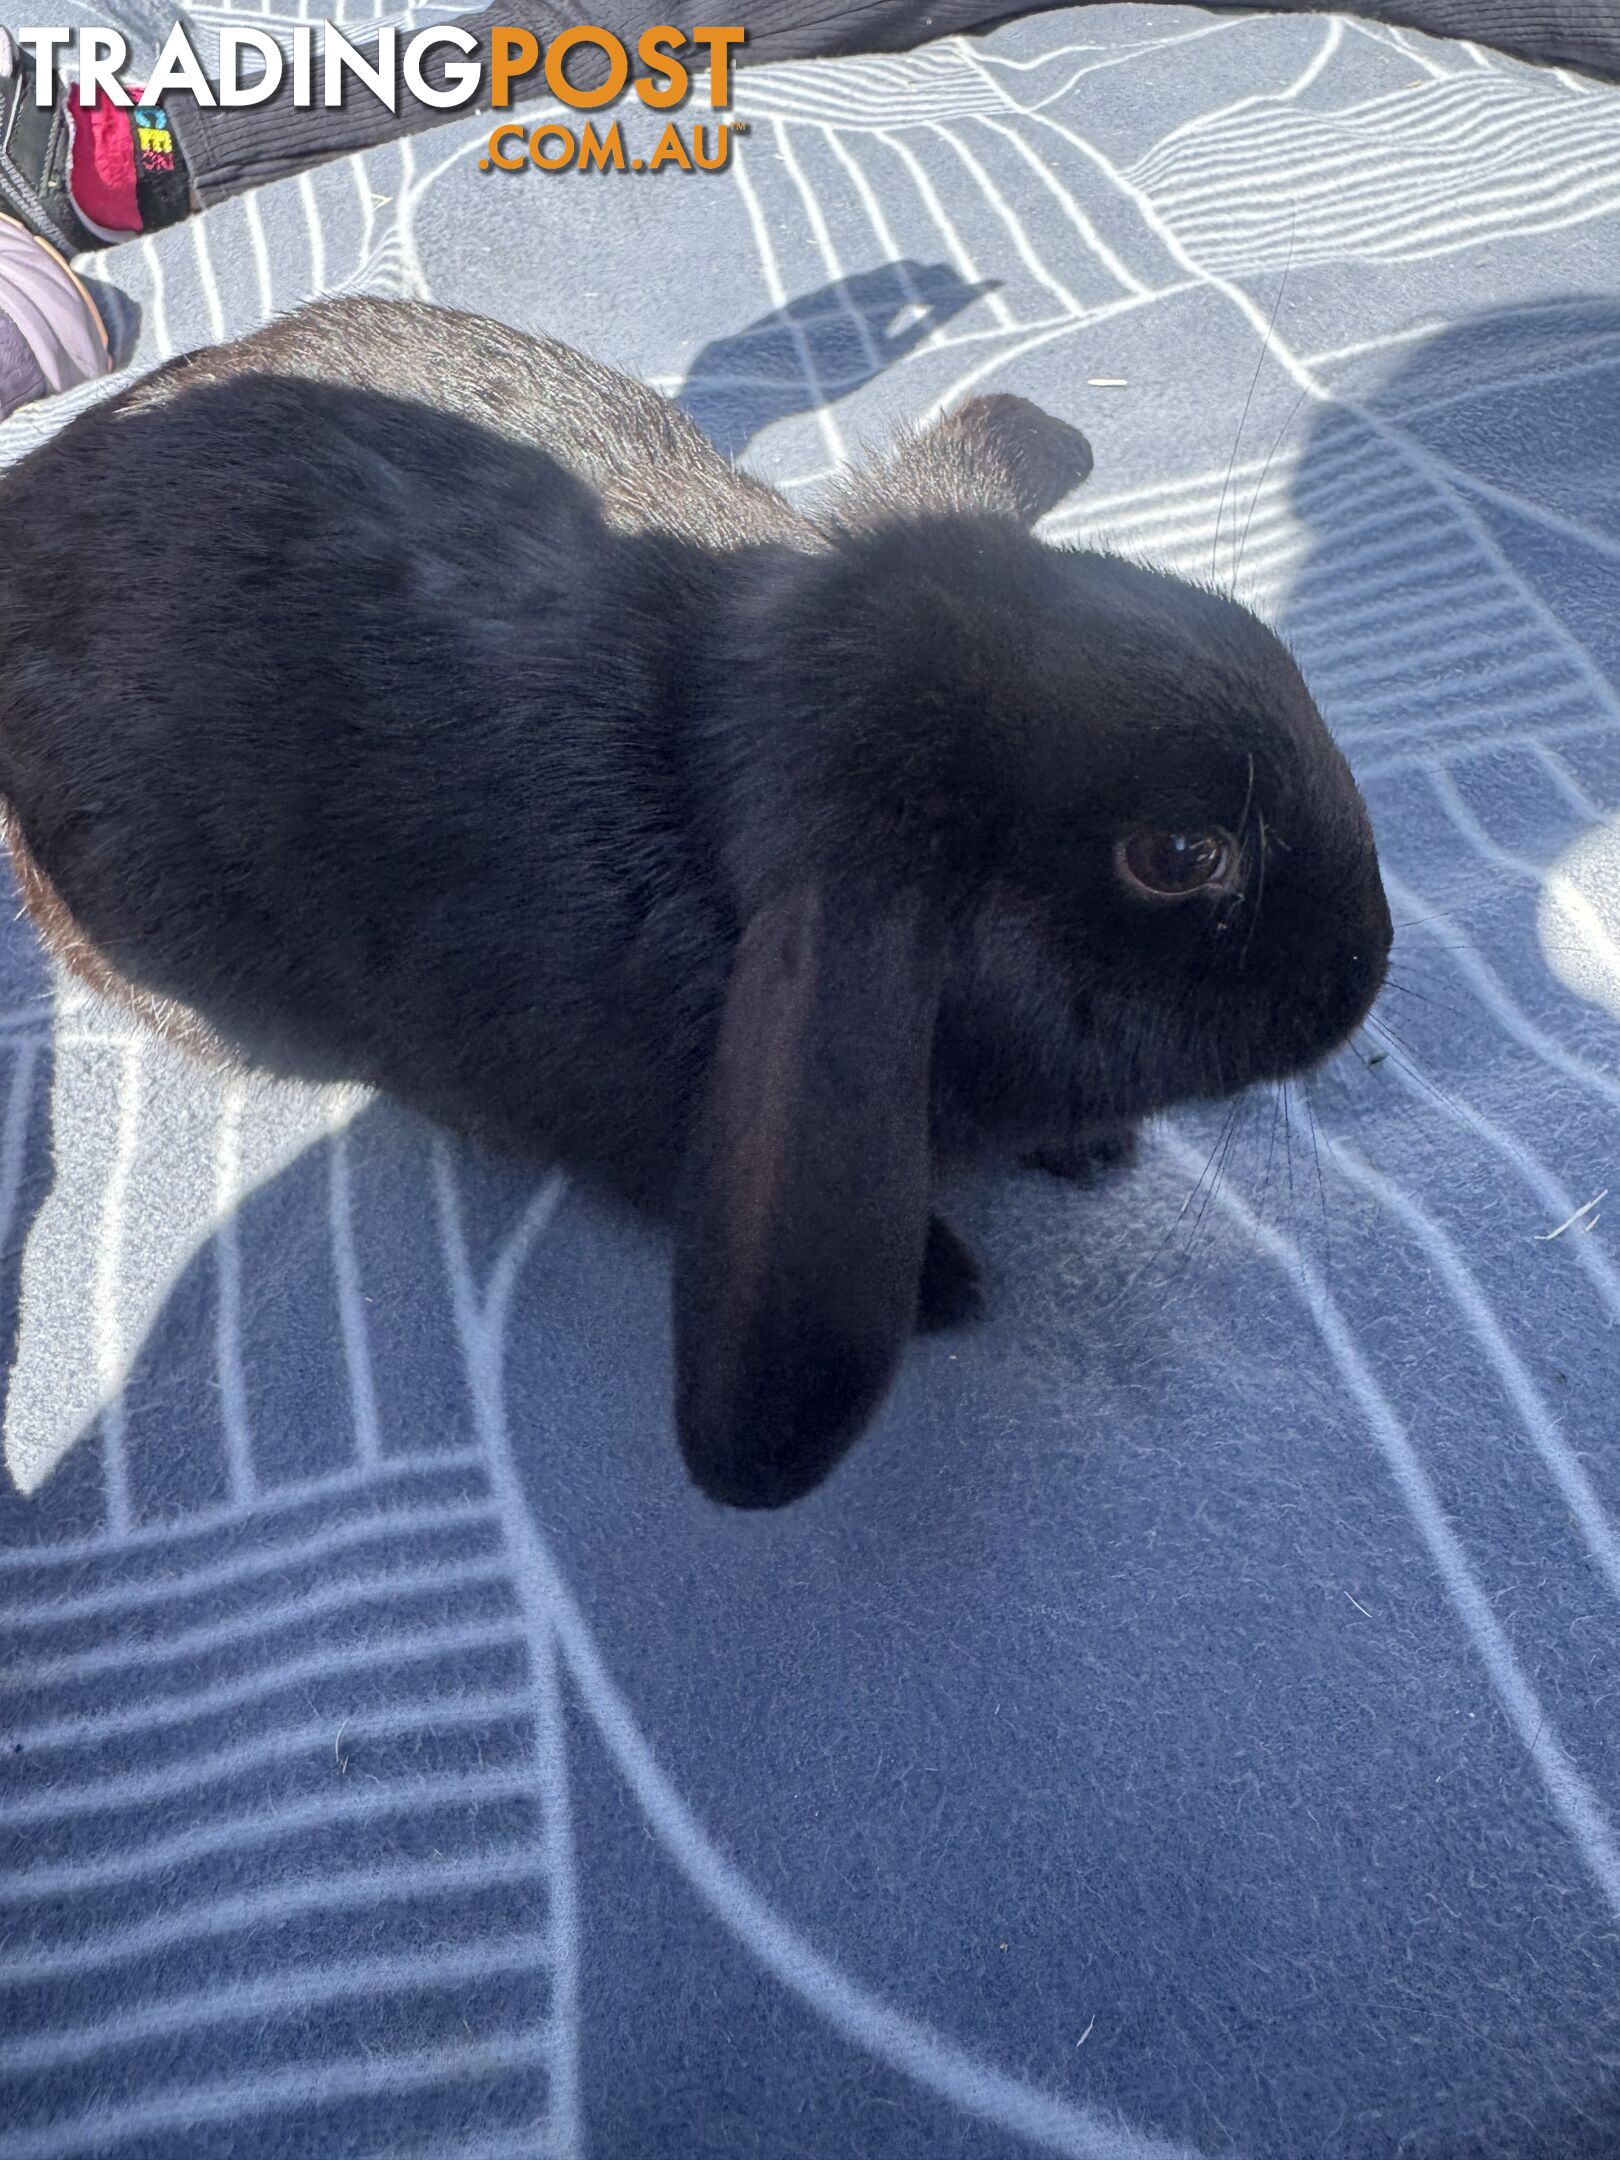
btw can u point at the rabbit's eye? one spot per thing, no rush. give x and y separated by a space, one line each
1170 865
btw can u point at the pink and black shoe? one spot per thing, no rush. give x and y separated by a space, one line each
84 176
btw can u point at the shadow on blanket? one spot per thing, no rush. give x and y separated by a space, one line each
820 347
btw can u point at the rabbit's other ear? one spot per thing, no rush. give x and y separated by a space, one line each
997 454
802 1222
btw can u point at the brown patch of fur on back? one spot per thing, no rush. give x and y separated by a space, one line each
65 941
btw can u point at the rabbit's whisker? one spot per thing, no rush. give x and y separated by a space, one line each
1393 1045
1318 1137
1259 894
1260 484
1243 417
1424 997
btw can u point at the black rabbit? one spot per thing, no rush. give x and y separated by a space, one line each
478 732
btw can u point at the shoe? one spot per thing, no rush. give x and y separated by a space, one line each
51 333
36 146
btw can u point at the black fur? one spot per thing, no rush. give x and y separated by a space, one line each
474 730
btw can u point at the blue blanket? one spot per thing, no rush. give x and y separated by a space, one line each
1188 1726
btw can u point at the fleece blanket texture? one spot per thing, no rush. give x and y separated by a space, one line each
1187 1729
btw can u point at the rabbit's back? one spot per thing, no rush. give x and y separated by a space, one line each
380 723
649 465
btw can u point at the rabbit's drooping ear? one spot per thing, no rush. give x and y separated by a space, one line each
800 1233
998 453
